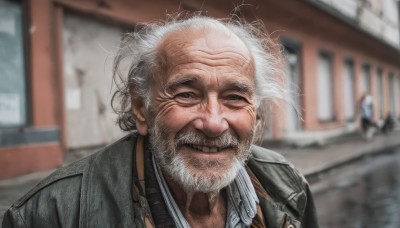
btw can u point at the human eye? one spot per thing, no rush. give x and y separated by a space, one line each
186 97
235 100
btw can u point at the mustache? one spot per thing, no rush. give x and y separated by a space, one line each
198 138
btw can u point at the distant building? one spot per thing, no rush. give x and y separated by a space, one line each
56 63
337 50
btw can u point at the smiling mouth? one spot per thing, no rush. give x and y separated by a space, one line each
206 149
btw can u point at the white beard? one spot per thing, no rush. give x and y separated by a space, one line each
174 164
191 181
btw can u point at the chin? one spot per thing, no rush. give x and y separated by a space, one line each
202 180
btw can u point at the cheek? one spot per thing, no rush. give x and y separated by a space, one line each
243 122
175 118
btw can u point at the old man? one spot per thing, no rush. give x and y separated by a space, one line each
192 93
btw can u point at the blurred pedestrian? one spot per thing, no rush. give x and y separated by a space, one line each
366 112
389 124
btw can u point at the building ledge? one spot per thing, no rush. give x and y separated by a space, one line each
355 24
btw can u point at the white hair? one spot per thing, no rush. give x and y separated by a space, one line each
137 61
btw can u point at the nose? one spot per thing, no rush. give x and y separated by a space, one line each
212 121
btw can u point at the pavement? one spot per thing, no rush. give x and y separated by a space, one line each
311 161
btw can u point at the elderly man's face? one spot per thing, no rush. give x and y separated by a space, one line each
203 108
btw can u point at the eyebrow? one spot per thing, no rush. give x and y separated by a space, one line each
185 80
239 86
190 79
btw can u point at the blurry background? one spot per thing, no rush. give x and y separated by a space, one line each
56 61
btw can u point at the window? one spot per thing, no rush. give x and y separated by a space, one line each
13 101
380 92
293 83
325 90
392 95
349 100
366 79
398 94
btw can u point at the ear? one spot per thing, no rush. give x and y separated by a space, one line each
140 114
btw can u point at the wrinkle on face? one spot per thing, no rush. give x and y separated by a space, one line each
209 59
204 90
205 47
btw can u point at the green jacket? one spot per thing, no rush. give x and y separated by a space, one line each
97 192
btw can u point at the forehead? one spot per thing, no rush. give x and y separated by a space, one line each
206 48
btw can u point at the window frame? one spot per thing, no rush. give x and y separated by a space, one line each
328 55
24 6
26 133
368 89
380 92
350 62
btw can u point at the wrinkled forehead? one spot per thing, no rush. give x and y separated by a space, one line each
215 42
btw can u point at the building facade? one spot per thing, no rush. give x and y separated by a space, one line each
57 55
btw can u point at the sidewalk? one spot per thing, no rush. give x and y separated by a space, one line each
311 161
314 160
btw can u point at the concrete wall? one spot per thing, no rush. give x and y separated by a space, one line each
89 48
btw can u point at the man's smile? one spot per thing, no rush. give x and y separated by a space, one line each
207 149
202 153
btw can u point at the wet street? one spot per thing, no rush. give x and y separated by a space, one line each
363 194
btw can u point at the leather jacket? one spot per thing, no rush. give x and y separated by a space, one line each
97 192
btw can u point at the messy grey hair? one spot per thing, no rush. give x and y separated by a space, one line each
137 61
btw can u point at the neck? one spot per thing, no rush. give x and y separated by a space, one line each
200 209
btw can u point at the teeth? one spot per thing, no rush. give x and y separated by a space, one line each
206 148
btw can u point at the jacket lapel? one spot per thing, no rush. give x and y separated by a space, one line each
273 215
106 199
